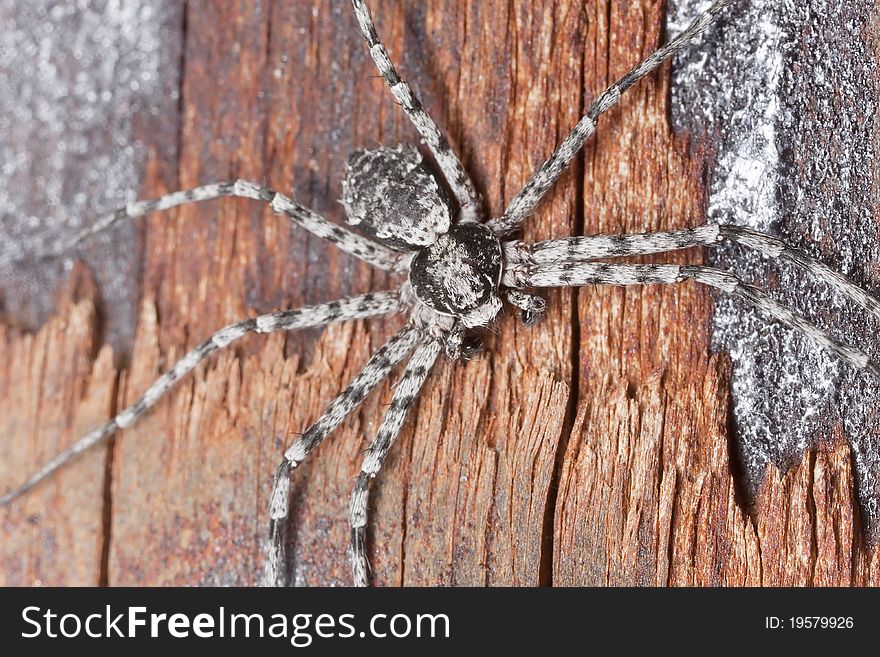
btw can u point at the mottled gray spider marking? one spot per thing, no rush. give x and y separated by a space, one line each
390 194
458 271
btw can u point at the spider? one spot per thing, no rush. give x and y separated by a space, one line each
460 268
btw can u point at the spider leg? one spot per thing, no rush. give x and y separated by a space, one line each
374 372
345 239
531 307
565 274
524 203
404 398
459 182
368 305
596 247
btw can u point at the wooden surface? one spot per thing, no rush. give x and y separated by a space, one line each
592 449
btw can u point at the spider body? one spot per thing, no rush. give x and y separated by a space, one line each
392 196
459 270
455 269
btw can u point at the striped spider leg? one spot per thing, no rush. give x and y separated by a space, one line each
599 247
534 191
344 239
367 305
447 160
571 262
374 372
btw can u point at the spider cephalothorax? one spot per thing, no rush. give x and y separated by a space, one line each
459 274
458 271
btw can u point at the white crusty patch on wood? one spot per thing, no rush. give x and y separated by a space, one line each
77 81
789 97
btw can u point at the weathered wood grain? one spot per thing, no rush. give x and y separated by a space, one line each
592 449
55 386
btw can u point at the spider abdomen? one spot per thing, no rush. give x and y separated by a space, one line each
390 194
459 274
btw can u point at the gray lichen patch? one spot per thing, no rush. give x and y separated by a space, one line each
786 95
80 85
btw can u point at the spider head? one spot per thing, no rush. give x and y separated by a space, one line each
390 194
459 274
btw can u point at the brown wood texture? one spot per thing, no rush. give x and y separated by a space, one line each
592 449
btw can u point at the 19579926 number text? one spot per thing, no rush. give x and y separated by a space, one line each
809 623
